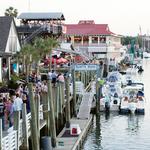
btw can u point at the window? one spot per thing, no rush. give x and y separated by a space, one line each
94 39
77 39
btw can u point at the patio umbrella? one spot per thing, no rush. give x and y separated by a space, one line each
53 60
62 60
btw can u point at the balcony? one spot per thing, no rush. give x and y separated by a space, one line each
47 28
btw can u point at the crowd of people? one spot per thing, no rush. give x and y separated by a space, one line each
14 99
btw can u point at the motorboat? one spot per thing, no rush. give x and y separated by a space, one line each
109 104
114 78
146 55
111 98
133 100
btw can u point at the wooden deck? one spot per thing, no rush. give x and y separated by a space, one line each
86 103
69 143
84 120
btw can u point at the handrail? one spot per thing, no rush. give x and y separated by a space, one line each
9 142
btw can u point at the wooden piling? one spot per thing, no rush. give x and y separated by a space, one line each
51 114
38 113
25 144
60 116
67 101
17 125
35 137
74 92
1 131
97 97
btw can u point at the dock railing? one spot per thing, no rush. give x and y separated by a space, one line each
9 141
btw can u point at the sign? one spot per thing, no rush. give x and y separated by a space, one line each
79 87
85 67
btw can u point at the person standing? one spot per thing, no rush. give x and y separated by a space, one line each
17 105
2 109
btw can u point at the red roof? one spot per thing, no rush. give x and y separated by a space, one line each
88 28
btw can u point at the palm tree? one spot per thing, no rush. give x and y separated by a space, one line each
50 43
38 52
11 12
25 56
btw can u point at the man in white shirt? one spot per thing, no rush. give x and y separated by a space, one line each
17 105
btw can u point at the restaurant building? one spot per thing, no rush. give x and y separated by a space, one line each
94 40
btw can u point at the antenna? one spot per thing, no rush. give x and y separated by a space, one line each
140 30
28 5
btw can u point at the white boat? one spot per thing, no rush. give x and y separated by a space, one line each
146 55
133 99
114 78
109 104
111 98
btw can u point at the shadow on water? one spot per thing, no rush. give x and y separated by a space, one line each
98 132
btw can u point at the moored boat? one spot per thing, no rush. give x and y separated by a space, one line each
133 100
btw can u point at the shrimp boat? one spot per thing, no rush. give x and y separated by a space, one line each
133 100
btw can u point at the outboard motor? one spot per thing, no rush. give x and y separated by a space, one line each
115 101
129 82
107 106
140 69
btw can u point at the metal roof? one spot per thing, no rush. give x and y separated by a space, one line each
41 16
5 24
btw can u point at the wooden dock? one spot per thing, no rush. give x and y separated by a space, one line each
73 142
83 120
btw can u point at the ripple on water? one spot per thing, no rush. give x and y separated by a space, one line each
123 132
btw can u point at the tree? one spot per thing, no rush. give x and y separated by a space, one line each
25 56
50 43
11 12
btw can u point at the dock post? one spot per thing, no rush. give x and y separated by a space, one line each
25 144
38 113
97 97
51 114
67 102
17 125
74 92
1 131
33 122
60 117
57 100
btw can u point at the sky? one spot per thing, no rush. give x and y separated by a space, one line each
124 17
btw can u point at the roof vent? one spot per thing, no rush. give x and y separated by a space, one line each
86 22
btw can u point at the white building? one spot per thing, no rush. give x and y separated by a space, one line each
94 40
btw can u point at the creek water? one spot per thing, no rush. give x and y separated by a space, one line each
122 132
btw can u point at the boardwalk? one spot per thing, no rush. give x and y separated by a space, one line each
85 107
83 120
86 104
72 142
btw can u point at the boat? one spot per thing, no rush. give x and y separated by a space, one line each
109 104
114 78
111 98
146 55
133 100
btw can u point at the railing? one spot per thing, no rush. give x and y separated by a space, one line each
9 142
34 34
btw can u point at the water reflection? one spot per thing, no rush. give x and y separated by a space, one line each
133 123
123 132
98 132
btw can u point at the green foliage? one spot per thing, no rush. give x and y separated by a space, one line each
126 40
11 12
12 84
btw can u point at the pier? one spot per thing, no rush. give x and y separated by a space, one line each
18 136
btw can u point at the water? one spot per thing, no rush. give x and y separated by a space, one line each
122 132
